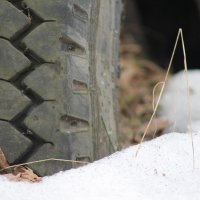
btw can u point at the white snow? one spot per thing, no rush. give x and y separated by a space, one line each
162 170
174 104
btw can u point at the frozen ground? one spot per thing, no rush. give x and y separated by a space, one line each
174 104
163 170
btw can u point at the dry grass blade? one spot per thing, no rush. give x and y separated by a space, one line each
153 104
157 126
21 173
188 97
179 35
161 92
44 160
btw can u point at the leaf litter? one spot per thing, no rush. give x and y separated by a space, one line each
19 173
137 80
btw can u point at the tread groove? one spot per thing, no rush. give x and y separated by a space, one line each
17 81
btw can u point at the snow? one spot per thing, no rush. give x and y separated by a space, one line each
163 170
174 104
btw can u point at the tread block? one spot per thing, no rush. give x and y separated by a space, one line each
79 70
71 13
59 10
16 144
44 121
48 121
12 60
69 136
54 10
48 45
46 81
74 146
82 111
12 20
12 101
54 151
81 146
60 39
78 147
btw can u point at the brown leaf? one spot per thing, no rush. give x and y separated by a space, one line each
3 160
25 173
19 173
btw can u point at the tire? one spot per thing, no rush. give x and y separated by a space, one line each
58 77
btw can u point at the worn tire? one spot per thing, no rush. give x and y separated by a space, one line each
58 61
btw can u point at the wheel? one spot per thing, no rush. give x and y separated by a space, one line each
58 77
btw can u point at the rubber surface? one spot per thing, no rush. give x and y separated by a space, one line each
58 62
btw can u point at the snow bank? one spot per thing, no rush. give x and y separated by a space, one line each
163 170
174 104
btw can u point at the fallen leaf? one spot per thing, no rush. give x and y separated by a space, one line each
25 173
3 161
18 173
